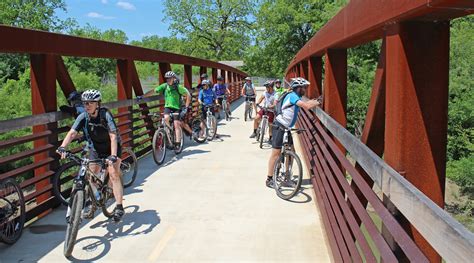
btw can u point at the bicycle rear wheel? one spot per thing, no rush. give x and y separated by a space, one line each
287 175
246 112
159 146
262 132
63 181
129 167
226 112
211 124
12 203
74 222
251 111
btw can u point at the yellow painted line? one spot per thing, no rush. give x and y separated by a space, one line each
162 244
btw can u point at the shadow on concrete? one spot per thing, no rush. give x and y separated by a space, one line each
301 197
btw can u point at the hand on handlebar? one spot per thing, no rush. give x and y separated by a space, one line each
62 152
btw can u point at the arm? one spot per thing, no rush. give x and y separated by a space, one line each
69 137
113 143
307 105
200 97
260 99
157 90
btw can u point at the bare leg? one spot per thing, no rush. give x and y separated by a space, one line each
116 178
271 162
177 125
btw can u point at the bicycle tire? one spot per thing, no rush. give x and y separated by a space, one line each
276 174
63 194
211 131
226 112
262 132
74 222
181 143
129 177
251 111
196 127
246 111
159 144
18 221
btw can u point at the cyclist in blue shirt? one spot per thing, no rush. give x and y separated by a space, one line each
221 90
287 119
207 97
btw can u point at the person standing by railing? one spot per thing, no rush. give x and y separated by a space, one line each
289 105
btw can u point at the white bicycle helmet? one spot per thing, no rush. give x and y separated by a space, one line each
91 95
248 78
170 74
206 82
298 82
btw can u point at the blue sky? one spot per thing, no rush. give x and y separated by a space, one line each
137 18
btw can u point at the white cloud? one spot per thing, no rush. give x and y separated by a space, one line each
126 5
99 16
146 34
104 1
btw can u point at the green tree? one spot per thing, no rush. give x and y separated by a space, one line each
214 29
282 28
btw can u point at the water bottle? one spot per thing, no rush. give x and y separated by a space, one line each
95 191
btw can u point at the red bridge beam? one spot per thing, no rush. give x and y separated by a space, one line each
363 21
19 40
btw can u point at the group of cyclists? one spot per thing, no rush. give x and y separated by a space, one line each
103 139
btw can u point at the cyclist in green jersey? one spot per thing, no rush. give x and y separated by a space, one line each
173 93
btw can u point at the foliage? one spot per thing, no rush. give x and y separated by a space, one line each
214 29
462 173
282 28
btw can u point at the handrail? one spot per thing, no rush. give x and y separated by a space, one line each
455 243
45 118
20 40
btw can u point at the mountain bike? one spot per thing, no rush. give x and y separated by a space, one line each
286 180
91 189
210 123
12 211
249 105
263 127
164 137
225 107
62 179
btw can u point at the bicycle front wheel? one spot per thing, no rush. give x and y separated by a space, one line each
128 166
287 175
262 132
199 135
211 124
12 203
159 146
108 199
74 222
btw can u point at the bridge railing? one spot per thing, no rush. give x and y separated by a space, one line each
406 125
37 136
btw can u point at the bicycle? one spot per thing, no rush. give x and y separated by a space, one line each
211 122
164 138
62 184
249 105
263 126
12 211
224 107
90 188
284 180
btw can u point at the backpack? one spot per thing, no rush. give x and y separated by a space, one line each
279 105
102 119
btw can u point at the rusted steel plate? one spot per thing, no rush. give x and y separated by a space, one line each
363 21
18 40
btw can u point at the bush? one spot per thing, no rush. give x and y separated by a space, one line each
462 173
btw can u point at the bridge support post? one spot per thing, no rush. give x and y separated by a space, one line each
63 77
214 75
43 99
335 86
417 110
124 92
202 70
315 70
138 89
304 69
164 67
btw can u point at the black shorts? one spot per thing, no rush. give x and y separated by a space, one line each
220 100
168 111
250 98
103 153
277 136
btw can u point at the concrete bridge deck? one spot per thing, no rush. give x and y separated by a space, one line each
209 203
